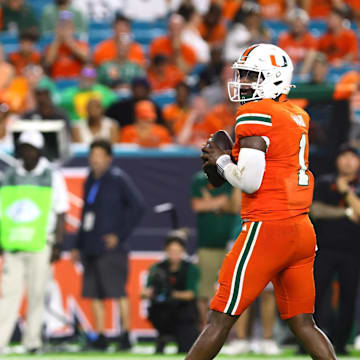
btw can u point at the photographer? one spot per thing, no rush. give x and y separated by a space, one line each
172 289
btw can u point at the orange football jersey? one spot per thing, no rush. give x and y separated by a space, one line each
287 186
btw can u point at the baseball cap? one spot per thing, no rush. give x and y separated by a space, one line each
33 138
347 148
145 110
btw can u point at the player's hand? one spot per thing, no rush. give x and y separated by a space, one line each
111 240
75 256
211 152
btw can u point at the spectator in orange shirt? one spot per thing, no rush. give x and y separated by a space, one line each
298 41
26 54
197 127
163 75
212 28
145 132
66 56
224 113
178 112
107 49
339 43
172 46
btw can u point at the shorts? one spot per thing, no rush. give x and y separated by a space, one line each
210 261
105 276
280 251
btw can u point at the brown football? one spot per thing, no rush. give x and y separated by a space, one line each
223 140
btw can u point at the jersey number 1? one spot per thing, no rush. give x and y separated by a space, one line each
303 177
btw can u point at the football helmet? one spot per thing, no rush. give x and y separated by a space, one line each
263 71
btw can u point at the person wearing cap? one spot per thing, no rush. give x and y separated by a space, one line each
51 13
172 287
123 110
336 213
298 41
75 98
145 132
339 43
113 207
32 215
65 56
107 49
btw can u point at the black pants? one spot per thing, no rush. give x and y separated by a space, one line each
179 319
345 266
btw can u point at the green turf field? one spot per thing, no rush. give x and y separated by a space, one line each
288 355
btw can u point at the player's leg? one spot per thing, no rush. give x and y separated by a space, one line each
243 276
311 337
295 292
324 270
213 336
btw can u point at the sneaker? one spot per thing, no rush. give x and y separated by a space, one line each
124 342
236 347
101 343
269 347
357 343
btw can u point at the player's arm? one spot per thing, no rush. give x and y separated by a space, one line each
248 173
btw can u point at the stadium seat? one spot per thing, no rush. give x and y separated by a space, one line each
9 41
317 27
276 27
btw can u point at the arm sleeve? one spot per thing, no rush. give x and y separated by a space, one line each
135 207
248 173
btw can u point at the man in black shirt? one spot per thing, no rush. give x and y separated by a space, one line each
336 211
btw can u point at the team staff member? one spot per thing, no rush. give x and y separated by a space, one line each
217 212
336 210
32 211
113 206
278 241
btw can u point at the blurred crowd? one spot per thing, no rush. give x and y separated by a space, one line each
152 73
157 76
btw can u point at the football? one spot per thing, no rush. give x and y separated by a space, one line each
223 140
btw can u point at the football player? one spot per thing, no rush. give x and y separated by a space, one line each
269 164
